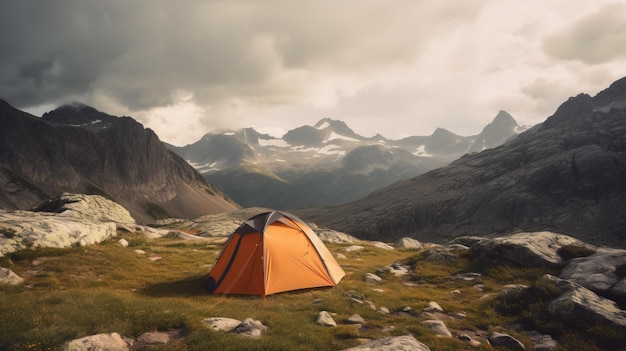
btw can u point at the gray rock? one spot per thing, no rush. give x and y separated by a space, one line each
8 277
536 249
382 245
332 236
98 342
433 307
324 318
250 327
355 319
353 248
222 323
398 269
542 342
597 272
372 278
409 243
511 288
505 340
467 277
154 338
582 303
440 254
438 327
87 207
43 229
393 343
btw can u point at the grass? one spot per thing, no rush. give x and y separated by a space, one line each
106 288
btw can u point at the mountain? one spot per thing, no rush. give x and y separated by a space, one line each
565 175
327 163
78 149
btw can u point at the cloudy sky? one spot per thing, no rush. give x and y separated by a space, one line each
399 67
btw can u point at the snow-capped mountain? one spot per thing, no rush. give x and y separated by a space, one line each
327 163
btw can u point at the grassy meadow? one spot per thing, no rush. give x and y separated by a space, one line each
105 288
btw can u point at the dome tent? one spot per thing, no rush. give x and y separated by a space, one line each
273 252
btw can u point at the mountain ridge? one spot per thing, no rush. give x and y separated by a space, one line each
326 163
567 174
78 149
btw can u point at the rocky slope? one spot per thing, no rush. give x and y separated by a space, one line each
327 163
567 174
78 149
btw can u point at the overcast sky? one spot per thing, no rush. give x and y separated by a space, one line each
398 67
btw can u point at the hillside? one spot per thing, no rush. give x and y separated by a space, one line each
327 163
567 174
142 288
78 149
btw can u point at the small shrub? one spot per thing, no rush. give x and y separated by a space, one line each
569 252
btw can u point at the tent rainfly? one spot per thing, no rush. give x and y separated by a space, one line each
270 253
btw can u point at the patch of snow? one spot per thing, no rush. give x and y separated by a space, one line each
519 129
334 135
203 168
421 151
324 125
229 133
326 150
280 160
273 142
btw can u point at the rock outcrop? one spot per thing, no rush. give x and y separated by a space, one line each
580 303
65 221
537 249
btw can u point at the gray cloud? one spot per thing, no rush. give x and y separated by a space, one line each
596 38
236 63
141 53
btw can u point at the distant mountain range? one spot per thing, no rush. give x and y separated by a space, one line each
327 163
78 149
567 175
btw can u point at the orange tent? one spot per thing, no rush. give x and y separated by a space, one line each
270 253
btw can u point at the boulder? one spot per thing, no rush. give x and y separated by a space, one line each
398 269
409 243
392 343
505 340
597 272
104 342
43 229
154 338
579 303
353 248
222 323
324 318
372 278
7 277
433 307
382 245
333 236
250 327
536 249
355 319
438 327
86 207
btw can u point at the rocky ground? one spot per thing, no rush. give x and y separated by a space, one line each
586 282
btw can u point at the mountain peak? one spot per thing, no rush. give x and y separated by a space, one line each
337 126
79 115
